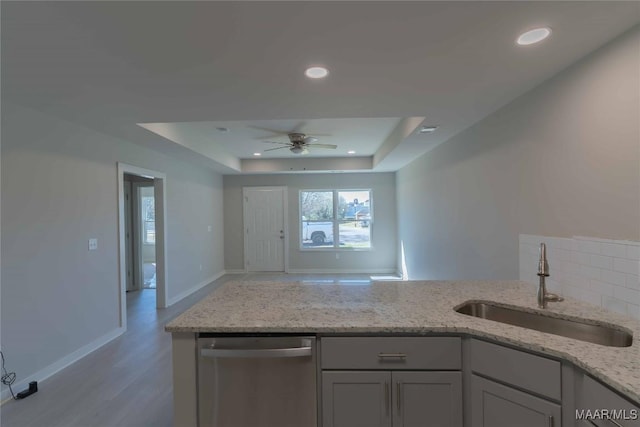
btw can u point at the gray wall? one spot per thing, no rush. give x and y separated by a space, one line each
381 258
59 188
562 160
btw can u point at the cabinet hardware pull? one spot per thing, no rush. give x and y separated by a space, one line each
392 356
386 398
398 389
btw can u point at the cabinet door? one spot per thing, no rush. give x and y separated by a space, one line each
595 397
356 399
496 405
423 399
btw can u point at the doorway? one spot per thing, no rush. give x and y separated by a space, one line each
142 234
146 235
265 222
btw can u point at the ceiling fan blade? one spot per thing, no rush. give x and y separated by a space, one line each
332 146
277 148
299 129
309 140
312 134
277 142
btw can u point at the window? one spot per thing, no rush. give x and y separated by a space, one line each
335 219
148 220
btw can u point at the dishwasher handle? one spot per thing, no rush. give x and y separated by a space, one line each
261 353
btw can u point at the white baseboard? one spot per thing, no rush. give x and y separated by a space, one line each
238 271
342 271
59 365
195 288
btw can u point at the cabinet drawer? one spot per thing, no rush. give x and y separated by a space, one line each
441 353
595 396
524 370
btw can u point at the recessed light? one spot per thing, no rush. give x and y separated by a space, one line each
222 129
428 129
257 154
351 152
533 36
316 72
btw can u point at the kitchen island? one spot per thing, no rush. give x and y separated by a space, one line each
396 308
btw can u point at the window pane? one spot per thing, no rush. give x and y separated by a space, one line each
316 205
148 218
148 209
354 205
317 219
149 232
354 234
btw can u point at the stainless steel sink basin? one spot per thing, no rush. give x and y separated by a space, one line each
571 328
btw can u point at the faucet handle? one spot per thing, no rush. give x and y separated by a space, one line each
553 297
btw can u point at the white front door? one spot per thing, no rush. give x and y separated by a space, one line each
264 223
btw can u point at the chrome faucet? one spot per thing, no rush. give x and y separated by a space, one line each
543 271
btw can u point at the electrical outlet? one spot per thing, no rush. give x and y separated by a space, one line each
337 256
209 228
93 244
200 267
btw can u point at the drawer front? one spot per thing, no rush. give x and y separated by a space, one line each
595 396
432 353
530 372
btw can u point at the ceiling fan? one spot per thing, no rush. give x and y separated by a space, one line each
299 143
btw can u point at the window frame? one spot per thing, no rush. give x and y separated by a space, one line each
335 221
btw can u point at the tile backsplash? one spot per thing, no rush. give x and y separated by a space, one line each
598 271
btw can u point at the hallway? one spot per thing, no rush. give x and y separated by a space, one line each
127 382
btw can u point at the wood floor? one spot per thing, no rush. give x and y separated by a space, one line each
128 381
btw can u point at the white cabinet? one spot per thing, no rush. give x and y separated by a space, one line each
356 399
597 405
402 386
497 405
391 398
513 388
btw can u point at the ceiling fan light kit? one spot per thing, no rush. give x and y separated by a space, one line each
297 149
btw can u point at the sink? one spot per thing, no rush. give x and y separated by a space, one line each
572 328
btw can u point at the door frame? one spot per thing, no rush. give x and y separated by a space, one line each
285 220
159 186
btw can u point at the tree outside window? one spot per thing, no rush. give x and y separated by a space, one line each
148 220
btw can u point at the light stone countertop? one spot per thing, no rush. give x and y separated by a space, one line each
413 307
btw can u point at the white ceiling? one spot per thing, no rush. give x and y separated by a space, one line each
184 68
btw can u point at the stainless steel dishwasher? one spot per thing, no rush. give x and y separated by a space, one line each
257 381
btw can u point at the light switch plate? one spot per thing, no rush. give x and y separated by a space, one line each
209 229
93 244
